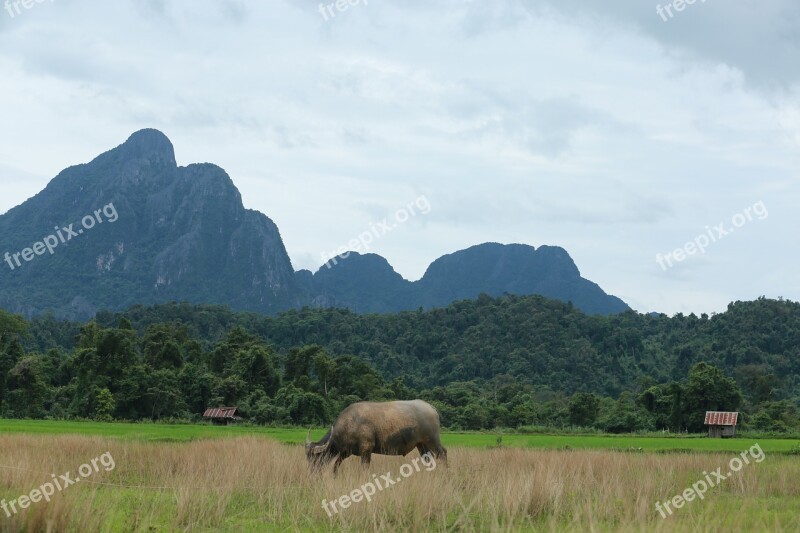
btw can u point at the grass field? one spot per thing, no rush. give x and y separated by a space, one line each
202 478
191 432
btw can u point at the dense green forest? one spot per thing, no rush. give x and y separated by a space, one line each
493 362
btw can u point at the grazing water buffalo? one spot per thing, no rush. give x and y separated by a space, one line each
387 428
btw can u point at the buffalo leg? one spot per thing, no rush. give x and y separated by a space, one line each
439 451
338 462
366 454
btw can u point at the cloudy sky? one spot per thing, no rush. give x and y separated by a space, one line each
603 129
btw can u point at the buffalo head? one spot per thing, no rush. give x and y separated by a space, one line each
318 454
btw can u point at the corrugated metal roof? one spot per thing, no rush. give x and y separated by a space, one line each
721 418
221 412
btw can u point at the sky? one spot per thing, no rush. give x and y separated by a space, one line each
662 152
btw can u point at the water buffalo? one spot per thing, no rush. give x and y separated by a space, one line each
387 428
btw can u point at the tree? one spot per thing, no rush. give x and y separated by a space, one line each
522 411
663 402
303 407
27 388
12 327
256 366
104 405
299 362
324 367
626 417
583 409
474 416
708 389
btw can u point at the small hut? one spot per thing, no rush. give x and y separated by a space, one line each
222 416
721 423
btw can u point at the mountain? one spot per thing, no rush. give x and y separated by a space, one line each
132 227
363 283
368 284
167 233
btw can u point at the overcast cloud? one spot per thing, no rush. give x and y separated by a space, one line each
598 128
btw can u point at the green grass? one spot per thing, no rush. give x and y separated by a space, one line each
190 432
147 431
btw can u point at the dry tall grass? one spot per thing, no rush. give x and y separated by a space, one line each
253 484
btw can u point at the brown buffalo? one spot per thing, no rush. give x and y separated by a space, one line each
387 428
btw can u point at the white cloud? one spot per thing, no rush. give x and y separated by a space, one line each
599 129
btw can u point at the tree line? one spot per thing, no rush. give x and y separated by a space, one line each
492 362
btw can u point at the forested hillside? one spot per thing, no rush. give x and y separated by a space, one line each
505 361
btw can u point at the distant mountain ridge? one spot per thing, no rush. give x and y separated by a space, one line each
183 234
368 284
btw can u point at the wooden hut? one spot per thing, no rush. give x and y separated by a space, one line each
222 416
721 423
